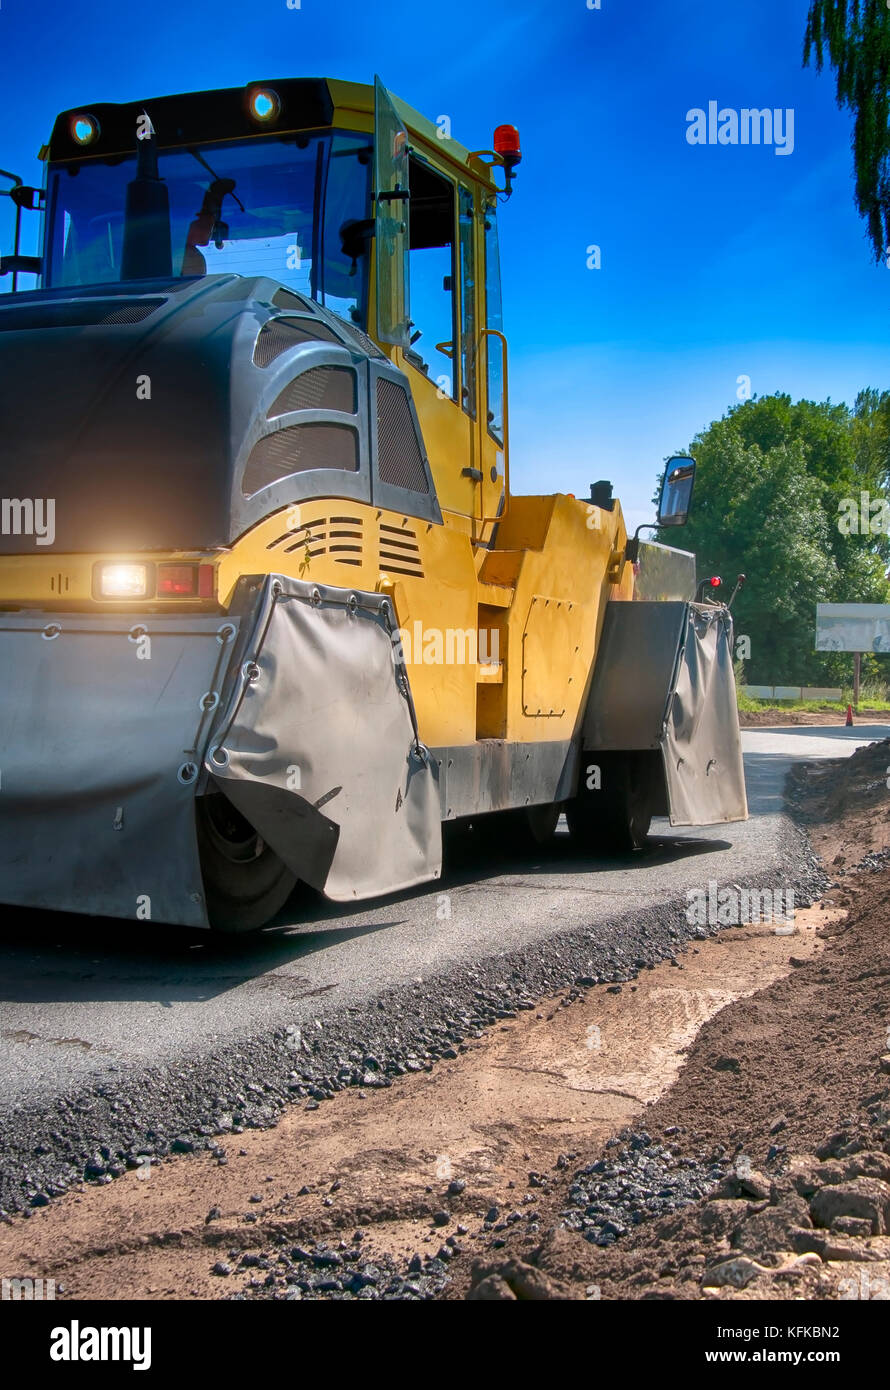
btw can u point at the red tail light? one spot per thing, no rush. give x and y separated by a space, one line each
185 581
177 581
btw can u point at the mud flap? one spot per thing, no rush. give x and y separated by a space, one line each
701 745
317 745
103 727
664 681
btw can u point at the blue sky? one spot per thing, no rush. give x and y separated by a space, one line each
717 261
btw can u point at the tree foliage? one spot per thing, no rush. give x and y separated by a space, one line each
771 483
854 36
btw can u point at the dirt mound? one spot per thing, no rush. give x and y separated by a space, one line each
845 808
782 1113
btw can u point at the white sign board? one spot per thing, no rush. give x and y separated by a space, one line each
853 627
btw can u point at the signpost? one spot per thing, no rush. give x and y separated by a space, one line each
853 627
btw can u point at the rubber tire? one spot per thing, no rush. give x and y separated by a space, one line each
517 832
541 823
616 818
245 882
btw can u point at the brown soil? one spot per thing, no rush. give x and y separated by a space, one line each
845 807
562 1079
810 1076
774 718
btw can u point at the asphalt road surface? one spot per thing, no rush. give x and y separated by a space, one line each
82 998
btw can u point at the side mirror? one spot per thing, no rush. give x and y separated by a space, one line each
676 492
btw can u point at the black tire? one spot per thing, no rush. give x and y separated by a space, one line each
245 883
541 823
615 818
519 831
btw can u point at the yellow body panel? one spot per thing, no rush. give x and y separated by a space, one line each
504 652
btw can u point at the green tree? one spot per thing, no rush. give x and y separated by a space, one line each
773 479
855 36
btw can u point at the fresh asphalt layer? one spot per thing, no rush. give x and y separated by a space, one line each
114 1030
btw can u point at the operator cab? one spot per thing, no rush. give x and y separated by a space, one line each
272 205
339 193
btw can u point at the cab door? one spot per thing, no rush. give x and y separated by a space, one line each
418 302
392 217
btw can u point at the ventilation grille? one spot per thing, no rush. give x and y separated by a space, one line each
279 335
286 299
339 536
399 459
298 449
361 339
321 388
78 313
399 552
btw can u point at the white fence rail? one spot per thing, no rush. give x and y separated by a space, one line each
791 692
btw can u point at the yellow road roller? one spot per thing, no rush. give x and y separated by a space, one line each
269 610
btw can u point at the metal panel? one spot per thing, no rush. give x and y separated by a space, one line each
664 679
664 573
552 641
317 745
633 676
96 727
494 775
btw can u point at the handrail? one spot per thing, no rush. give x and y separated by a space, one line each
16 183
496 333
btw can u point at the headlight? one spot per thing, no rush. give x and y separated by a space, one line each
264 105
84 129
123 581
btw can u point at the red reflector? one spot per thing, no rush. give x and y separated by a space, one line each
177 581
715 582
506 140
206 581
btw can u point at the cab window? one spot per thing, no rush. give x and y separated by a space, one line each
432 276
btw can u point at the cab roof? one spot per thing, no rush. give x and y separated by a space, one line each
202 118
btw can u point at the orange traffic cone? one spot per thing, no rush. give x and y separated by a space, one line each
848 723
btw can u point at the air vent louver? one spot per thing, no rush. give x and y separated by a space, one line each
279 335
321 388
297 449
399 552
77 313
399 458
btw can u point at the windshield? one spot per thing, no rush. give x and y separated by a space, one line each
248 208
